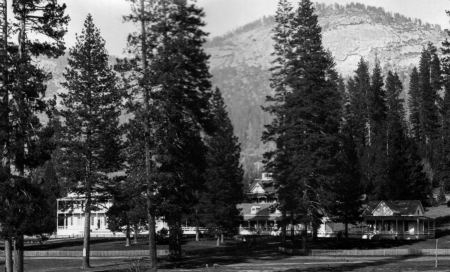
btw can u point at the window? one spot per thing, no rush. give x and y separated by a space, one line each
255 209
60 220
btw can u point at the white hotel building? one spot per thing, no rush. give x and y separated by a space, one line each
70 218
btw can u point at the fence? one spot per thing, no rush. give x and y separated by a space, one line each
381 252
79 253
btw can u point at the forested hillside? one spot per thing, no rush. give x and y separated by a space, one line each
240 60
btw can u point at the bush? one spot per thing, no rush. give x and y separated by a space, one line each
137 266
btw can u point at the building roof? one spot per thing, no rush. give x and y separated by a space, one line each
261 211
395 207
267 186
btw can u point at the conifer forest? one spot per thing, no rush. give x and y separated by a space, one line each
173 135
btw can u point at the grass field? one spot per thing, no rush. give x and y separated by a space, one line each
249 256
190 245
119 244
253 255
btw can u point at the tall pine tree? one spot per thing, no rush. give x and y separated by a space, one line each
358 119
376 130
276 162
176 82
414 102
396 186
91 135
345 192
312 114
223 175
22 95
429 85
443 174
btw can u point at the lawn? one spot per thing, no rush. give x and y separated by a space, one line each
238 256
204 245
119 244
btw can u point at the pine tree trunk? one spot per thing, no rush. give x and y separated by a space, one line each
18 254
346 230
127 236
175 236
150 215
314 232
8 256
151 233
87 232
18 241
197 233
292 228
136 232
304 237
283 228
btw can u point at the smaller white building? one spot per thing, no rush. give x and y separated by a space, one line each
70 218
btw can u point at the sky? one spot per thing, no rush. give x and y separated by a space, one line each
223 16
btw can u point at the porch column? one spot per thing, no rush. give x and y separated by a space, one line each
403 229
418 226
434 228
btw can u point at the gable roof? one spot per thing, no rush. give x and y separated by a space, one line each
267 211
267 186
398 207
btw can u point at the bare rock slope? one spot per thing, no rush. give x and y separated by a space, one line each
240 60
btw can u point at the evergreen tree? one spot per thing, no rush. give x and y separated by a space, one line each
22 136
179 88
223 176
275 161
139 105
376 149
397 182
443 174
359 88
128 209
419 185
414 102
312 111
346 190
91 112
428 86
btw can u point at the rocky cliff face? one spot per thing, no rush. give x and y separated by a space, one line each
240 60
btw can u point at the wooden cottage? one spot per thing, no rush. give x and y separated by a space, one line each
402 219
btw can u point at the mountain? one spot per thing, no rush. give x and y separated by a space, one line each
240 60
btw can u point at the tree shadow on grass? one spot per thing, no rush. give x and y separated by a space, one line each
370 265
223 256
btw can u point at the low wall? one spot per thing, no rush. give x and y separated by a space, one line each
78 253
